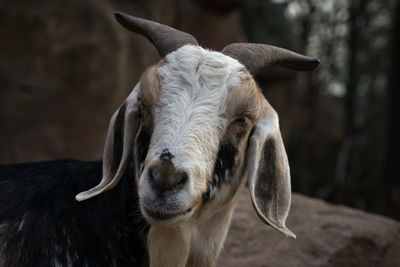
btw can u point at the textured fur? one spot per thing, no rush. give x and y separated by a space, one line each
194 114
190 114
200 97
41 224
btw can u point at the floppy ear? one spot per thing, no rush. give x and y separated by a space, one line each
118 147
268 173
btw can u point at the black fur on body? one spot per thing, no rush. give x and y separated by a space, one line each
41 223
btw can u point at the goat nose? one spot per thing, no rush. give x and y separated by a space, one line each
164 178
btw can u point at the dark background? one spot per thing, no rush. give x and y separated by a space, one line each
66 65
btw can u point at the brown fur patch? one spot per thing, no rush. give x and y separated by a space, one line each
169 246
244 106
182 246
150 89
244 100
150 85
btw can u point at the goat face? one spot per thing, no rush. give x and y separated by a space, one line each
197 125
199 113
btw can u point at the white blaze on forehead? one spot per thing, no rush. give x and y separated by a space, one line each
189 116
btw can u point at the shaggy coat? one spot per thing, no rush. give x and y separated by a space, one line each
41 223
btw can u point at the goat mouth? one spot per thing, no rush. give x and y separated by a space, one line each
162 216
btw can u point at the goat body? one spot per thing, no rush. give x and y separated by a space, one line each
41 224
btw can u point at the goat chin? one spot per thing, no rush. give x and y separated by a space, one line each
156 218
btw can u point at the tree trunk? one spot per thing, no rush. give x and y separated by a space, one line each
357 9
393 142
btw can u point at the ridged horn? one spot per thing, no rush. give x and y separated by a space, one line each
164 38
257 56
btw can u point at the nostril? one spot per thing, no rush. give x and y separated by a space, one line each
163 179
182 178
152 174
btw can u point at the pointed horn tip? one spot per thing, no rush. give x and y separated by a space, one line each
309 64
126 20
314 63
120 16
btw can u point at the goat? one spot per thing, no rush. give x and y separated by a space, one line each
178 151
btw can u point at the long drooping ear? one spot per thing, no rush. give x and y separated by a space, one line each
268 173
118 147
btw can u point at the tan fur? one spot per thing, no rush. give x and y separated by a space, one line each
169 246
198 103
198 242
212 220
209 238
150 85
195 243
244 100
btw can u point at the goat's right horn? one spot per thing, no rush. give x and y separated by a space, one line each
164 38
257 56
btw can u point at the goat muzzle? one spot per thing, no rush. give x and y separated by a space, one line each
164 178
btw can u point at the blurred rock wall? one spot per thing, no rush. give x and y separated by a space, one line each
66 65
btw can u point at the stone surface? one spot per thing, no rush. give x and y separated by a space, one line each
59 61
66 65
327 236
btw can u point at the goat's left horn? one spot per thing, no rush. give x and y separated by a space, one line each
164 38
257 56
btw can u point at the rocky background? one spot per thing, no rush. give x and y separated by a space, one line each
66 65
327 236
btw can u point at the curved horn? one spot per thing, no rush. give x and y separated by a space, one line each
257 56
164 38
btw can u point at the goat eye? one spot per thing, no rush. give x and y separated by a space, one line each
142 104
142 108
242 120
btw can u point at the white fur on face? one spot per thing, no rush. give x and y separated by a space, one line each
189 117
